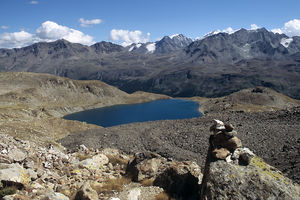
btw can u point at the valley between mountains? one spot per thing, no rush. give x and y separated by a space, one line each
249 79
213 66
32 106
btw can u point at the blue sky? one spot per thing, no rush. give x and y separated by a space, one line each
137 20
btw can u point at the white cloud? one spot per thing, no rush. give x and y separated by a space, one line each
254 27
129 37
87 23
151 47
4 27
16 39
290 28
33 2
48 31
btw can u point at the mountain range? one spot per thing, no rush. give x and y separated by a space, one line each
216 65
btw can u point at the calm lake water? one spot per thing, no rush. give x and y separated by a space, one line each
150 111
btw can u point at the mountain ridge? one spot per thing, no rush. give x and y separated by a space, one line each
211 67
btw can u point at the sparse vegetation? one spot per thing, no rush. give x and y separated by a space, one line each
111 185
116 160
82 157
267 169
147 182
33 104
163 196
9 190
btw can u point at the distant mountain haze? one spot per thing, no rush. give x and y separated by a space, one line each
215 65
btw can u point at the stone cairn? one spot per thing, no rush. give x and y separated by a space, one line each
225 145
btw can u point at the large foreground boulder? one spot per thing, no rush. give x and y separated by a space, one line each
258 180
14 174
238 174
179 179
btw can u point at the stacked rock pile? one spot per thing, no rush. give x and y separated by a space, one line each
225 145
234 172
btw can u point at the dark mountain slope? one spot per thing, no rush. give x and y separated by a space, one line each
214 66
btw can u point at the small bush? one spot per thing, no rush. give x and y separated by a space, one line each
8 191
82 157
147 182
112 185
163 196
114 160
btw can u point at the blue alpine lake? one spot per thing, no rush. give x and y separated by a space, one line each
142 112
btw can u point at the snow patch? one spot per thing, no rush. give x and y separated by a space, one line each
151 47
215 32
172 36
135 46
286 42
228 30
131 48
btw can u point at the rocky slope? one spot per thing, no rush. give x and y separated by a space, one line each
31 107
273 135
32 104
29 170
257 99
177 66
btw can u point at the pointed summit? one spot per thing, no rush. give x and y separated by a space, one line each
172 43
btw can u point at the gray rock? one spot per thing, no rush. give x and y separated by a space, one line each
217 126
232 144
16 155
243 155
221 153
56 196
135 191
178 178
181 179
258 180
9 197
83 148
229 127
95 162
145 165
14 173
4 159
33 175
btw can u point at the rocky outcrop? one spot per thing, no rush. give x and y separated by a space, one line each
236 173
179 179
257 180
51 172
256 99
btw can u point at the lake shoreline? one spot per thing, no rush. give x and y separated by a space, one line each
162 109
